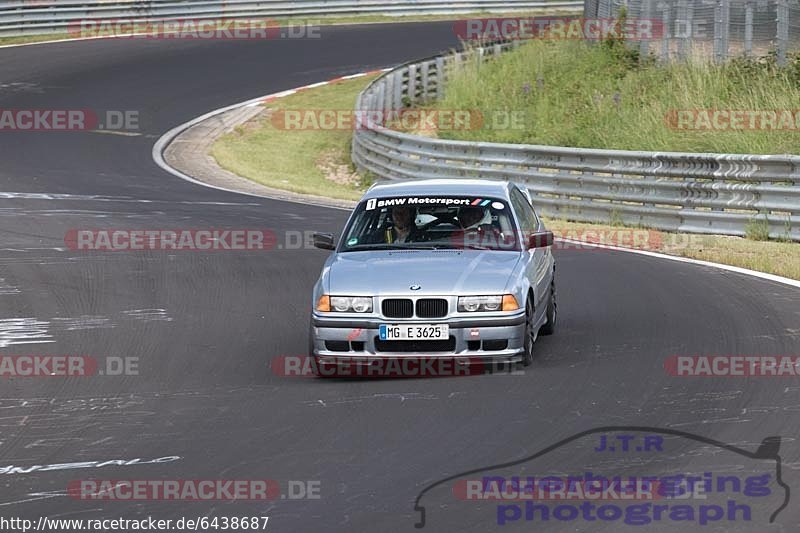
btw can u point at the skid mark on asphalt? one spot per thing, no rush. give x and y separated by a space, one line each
729 420
13 470
15 331
74 513
83 322
682 398
148 315
32 427
5 195
402 396
21 87
18 331
51 249
770 409
7 288
37 496
64 422
64 259
18 212
72 405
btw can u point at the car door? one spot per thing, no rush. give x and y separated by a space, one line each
538 260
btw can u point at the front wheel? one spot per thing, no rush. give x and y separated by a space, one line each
530 335
552 311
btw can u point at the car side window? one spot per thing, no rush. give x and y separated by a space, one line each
527 218
530 208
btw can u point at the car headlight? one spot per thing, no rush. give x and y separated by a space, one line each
500 302
349 304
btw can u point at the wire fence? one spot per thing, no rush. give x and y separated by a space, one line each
711 28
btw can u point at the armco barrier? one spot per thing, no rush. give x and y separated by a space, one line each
697 193
31 17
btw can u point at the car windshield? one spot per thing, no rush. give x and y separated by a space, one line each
430 222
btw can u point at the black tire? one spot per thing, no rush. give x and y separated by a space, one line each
527 354
552 311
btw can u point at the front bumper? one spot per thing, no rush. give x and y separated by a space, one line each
468 338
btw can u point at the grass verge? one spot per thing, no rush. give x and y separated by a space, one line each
570 93
310 161
27 39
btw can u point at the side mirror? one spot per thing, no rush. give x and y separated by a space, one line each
324 241
541 239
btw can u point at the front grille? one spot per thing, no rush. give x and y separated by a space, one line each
431 307
397 308
448 345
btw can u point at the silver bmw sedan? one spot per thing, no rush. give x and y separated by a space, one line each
458 269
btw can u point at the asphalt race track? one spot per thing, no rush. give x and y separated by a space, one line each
205 326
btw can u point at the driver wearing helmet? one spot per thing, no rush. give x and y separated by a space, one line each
477 228
471 217
402 229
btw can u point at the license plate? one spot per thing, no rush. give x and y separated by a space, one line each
413 332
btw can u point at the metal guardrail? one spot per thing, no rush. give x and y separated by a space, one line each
32 17
688 192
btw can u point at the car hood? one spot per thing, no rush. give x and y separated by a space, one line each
388 272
